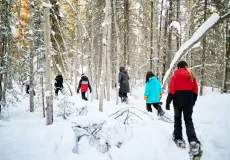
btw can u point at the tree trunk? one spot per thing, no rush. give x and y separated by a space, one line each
92 52
108 55
159 40
31 64
76 48
169 55
165 46
126 33
49 97
151 37
203 54
43 96
118 51
178 38
104 43
226 60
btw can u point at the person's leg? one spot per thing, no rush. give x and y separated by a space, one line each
191 134
177 123
148 106
27 89
157 106
82 95
56 91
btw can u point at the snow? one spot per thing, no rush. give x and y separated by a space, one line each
26 136
176 25
13 30
47 5
200 31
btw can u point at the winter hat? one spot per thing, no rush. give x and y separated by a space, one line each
82 74
122 68
182 64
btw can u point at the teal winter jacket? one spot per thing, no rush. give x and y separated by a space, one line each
153 90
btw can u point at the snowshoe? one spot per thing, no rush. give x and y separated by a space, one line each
179 142
195 151
164 118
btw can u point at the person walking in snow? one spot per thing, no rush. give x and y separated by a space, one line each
27 84
152 93
183 90
84 85
124 84
58 84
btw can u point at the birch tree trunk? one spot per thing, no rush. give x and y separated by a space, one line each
108 55
159 40
49 97
31 64
203 54
104 43
76 48
118 50
92 52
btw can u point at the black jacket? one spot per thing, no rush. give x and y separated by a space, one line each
58 81
124 81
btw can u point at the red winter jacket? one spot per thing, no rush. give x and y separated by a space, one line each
84 84
182 90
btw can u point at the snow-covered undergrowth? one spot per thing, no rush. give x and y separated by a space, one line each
123 132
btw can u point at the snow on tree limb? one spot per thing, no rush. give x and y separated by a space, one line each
197 36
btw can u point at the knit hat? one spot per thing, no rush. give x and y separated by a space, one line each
182 64
82 74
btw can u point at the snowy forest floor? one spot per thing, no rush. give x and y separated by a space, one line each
25 136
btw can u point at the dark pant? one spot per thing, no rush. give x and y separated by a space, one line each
157 106
123 96
83 96
57 89
187 113
28 89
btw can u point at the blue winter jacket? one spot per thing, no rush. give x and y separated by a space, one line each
153 90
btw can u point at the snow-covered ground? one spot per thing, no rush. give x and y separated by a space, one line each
24 136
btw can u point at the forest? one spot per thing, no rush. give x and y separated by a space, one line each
40 39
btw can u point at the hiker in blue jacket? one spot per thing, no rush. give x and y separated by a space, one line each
152 93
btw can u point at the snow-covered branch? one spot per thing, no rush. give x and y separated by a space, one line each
197 36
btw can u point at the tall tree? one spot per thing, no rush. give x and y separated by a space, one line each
203 53
49 97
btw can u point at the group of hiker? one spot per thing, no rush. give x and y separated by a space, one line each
182 90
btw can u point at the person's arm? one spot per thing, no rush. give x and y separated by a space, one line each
120 76
195 91
172 91
147 89
90 89
79 86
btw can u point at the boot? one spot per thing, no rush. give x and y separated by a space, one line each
160 111
195 149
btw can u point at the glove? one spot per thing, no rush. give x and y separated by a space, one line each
167 106
77 91
160 95
145 98
90 91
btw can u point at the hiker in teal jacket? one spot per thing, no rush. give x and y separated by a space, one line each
152 93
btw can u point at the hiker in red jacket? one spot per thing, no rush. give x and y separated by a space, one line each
84 85
183 90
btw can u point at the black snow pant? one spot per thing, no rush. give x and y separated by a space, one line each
28 89
187 113
157 106
149 108
123 96
57 89
83 96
